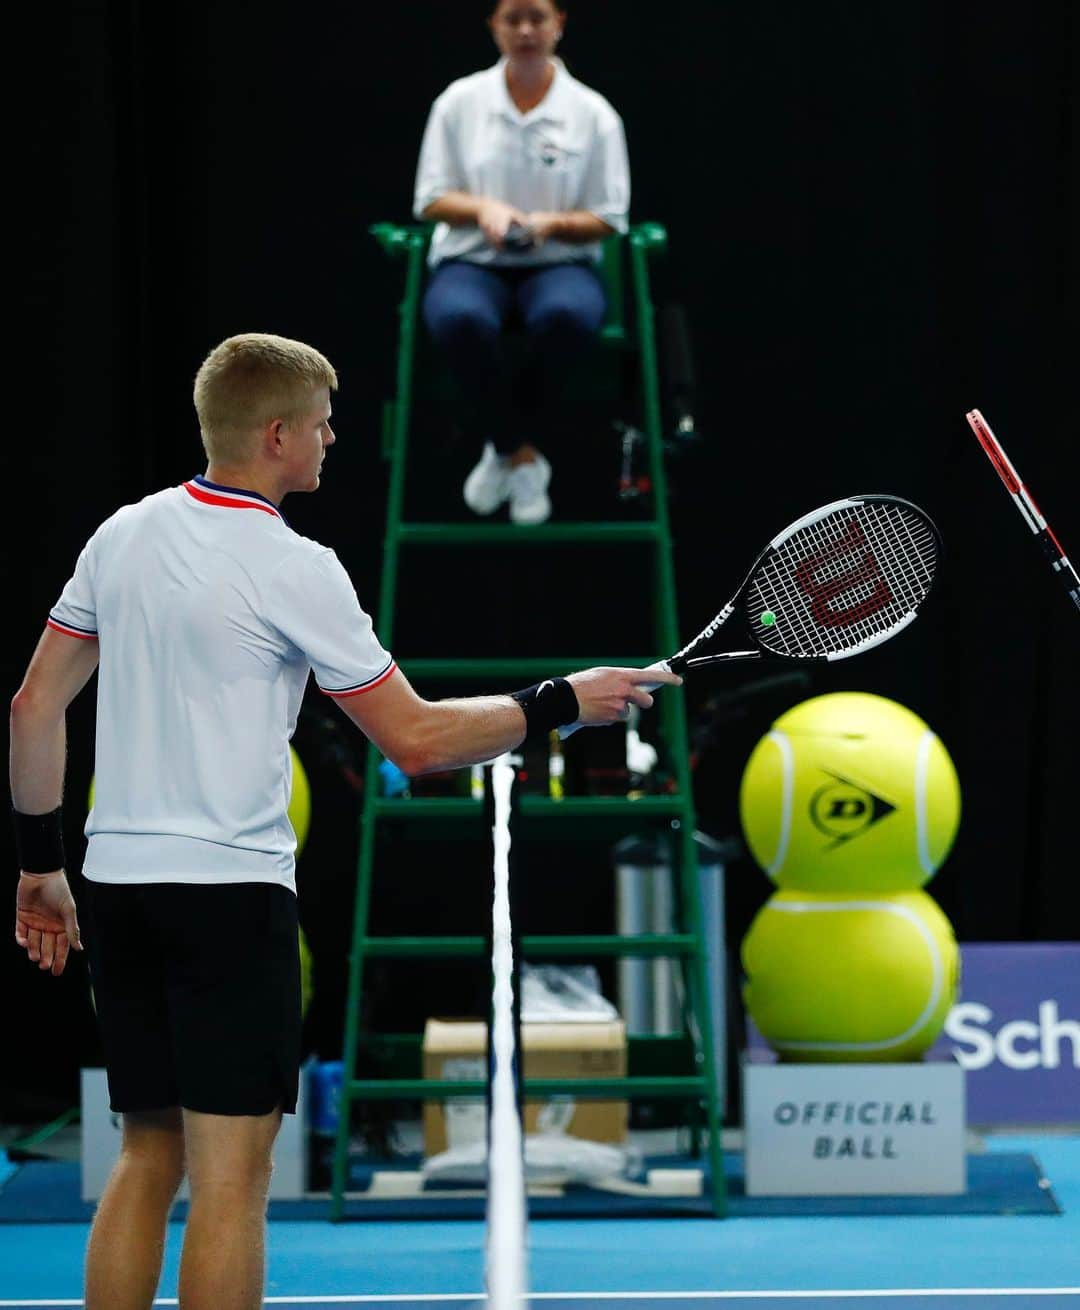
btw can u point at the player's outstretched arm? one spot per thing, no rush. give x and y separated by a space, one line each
423 736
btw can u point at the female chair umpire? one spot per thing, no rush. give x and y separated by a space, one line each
524 169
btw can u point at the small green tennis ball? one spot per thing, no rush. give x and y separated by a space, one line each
768 618
863 976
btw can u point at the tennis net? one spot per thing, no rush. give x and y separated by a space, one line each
506 1271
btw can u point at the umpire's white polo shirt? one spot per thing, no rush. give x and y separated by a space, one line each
569 152
210 612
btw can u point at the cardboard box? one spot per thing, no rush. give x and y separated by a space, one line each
457 1048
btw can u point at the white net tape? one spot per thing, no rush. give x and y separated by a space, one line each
506 1273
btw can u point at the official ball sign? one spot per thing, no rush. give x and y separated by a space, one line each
853 1129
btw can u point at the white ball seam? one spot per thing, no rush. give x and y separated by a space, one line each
787 792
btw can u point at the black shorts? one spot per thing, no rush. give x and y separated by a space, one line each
197 993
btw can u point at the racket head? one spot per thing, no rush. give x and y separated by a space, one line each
994 453
842 579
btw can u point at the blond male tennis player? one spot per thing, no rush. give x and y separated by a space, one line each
204 613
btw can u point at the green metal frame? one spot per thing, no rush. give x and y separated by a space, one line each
540 817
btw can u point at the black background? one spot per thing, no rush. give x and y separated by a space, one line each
871 210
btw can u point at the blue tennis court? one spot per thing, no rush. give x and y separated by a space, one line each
685 1263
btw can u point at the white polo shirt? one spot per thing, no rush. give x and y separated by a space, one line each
569 152
209 612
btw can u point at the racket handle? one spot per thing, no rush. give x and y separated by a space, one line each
568 728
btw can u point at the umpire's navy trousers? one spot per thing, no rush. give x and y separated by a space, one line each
560 307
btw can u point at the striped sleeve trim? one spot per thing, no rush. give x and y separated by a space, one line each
83 634
339 693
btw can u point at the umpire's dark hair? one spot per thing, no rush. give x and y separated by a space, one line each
492 5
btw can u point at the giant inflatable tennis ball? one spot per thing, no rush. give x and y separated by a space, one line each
855 977
300 818
307 976
299 801
849 792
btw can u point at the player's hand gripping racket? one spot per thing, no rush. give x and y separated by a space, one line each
1025 503
840 580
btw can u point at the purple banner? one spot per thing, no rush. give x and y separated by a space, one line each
1015 1029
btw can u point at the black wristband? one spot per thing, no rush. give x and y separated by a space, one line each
39 841
547 705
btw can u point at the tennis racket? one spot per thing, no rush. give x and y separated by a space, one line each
837 582
1025 503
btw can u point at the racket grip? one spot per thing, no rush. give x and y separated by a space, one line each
568 728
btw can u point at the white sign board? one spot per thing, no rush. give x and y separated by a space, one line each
101 1132
854 1129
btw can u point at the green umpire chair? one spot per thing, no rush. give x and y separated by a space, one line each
676 1068
619 338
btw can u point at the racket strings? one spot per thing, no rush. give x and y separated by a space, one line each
843 582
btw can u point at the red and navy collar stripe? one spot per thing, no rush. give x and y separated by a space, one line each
211 493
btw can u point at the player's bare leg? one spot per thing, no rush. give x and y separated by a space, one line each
224 1257
127 1238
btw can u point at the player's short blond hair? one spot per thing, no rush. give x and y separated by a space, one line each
248 381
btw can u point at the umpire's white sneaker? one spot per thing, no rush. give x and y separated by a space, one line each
527 485
486 487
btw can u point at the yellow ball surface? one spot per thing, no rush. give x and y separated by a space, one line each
299 801
307 978
850 792
860 977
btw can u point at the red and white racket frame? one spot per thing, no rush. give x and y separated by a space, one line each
1025 503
